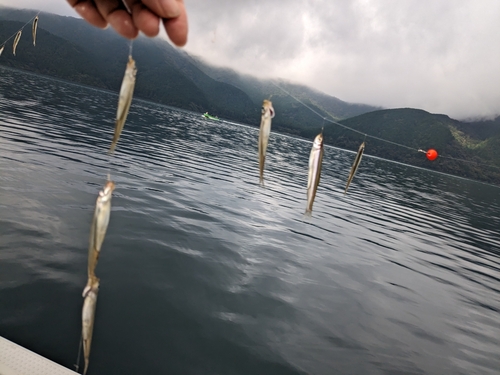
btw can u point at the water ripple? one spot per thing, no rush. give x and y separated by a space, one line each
212 273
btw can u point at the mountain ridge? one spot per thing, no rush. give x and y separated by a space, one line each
70 49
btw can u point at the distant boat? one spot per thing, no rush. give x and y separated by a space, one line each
210 117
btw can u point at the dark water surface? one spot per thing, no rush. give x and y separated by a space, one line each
204 272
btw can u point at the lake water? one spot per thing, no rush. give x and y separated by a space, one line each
204 272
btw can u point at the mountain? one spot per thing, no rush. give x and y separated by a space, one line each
105 57
54 60
171 76
280 92
460 154
71 49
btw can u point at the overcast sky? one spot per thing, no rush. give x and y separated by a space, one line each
439 55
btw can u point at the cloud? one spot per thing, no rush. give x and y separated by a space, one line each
441 56
51 6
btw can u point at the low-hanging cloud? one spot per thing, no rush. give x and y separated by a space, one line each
441 56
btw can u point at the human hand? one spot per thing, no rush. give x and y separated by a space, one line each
146 16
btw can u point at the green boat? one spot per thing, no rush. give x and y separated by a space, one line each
210 117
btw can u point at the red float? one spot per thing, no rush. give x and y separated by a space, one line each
431 154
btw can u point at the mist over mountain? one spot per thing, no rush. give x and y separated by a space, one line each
69 48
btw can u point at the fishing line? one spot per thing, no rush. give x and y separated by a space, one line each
339 124
110 164
131 41
22 28
470 161
372 136
127 7
130 48
77 365
129 12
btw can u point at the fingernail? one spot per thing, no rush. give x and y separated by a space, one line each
170 8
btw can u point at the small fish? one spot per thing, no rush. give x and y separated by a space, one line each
16 41
1 49
265 130
315 163
99 225
355 166
33 30
88 314
124 102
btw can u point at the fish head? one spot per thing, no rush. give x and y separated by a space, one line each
318 141
92 286
131 66
86 291
267 109
107 190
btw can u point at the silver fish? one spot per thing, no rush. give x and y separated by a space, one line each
33 30
265 130
355 166
1 49
16 41
315 163
88 314
125 100
99 226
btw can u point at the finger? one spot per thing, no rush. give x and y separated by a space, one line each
177 28
113 11
88 11
164 8
145 20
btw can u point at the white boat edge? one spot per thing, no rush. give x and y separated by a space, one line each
16 360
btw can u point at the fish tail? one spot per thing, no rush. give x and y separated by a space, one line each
261 175
261 166
116 137
112 148
262 160
308 213
86 366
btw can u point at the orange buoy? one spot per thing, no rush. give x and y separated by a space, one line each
431 154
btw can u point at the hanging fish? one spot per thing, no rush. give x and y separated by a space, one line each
1 49
126 93
315 163
88 314
355 166
265 130
33 30
99 226
16 41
